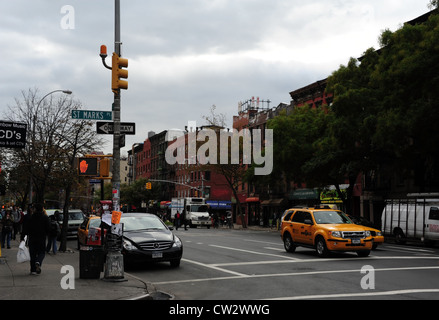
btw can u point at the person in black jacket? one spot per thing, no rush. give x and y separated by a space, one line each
37 227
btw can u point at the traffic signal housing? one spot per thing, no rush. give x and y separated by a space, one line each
148 186
117 73
104 167
88 167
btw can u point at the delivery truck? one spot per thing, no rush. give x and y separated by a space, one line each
195 211
414 218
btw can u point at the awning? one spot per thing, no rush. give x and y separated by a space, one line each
273 202
252 199
219 204
165 204
304 194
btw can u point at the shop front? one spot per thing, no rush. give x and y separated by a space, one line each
219 207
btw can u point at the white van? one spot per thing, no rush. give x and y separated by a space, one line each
415 218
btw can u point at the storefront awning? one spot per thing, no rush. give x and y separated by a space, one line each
304 194
273 202
219 204
252 199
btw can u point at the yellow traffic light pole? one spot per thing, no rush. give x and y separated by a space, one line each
114 259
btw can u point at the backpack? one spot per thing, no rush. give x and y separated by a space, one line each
54 229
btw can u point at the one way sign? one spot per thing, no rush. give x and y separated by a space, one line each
108 128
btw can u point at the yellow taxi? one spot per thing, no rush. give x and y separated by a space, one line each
377 235
89 232
325 230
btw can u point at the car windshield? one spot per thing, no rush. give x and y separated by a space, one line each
331 217
76 215
142 223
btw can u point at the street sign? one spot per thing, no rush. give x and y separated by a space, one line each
108 127
12 135
92 115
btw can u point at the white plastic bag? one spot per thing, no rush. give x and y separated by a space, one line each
23 253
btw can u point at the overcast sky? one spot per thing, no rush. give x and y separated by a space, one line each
186 55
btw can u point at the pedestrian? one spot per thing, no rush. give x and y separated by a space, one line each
8 225
36 228
177 220
17 217
54 233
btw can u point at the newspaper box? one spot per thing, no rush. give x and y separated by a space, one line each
91 262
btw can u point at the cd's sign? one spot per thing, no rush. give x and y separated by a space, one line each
12 135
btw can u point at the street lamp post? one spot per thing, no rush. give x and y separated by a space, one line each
33 135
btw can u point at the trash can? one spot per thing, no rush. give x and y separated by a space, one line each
91 262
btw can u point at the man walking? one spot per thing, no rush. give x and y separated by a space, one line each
37 227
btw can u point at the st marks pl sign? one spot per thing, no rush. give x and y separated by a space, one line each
12 135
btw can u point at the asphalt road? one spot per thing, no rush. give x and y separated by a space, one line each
251 265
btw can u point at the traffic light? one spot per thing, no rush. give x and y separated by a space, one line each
148 186
88 167
104 167
117 73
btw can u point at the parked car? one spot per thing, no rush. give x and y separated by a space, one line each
76 217
147 239
89 232
376 234
324 230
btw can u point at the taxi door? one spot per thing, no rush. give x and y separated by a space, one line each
305 228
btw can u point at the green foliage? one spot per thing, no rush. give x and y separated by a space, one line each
136 193
384 115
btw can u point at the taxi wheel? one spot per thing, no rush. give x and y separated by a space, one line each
321 248
289 244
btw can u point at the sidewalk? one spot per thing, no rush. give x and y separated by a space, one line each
16 283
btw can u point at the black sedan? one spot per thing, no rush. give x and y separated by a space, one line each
147 239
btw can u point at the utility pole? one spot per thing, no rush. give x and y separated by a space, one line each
116 117
114 270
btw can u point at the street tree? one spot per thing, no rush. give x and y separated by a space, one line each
54 141
234 174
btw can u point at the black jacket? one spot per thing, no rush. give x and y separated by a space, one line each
37 227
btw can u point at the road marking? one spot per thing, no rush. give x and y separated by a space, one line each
254 252
289 274
274 249
408 249
361 294
215 268
265 242
353 258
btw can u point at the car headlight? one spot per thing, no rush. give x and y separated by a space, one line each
379 234
336 234
367 233
177 242
128 245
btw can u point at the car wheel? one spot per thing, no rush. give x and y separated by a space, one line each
399 236
321 248
175 263
289 244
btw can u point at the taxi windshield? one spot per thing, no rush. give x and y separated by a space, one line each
331 217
